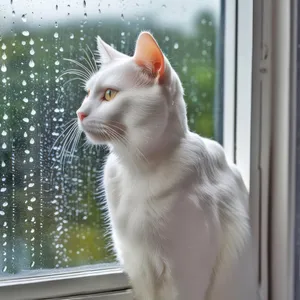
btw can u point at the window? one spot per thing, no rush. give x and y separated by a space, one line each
52 227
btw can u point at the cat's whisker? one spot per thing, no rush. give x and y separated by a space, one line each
73 72
89 61
93 57
72 79
67 127
88 72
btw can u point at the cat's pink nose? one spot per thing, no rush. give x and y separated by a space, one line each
81 115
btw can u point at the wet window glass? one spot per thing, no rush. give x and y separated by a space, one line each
52 213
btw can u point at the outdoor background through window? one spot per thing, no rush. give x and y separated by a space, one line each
51 215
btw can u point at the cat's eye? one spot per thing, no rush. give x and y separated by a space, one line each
110 94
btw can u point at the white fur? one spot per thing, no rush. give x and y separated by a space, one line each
177 209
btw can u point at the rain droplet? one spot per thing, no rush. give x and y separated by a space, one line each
31 128
31 51
25 134
4 133
122 17
5 117
56 63
33 112
30 208
5 204
30 184
24 18
56 35
31 141
25 100
26 120
4 57
3 164
3 190
3 68
72 36
59 228
31 42
2 213
24 83
3 47
176 46
4 146
13 13
25 33
33 199
31 64
56 7
30 159
61 49
23 43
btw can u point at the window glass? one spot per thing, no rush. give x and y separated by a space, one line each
52 214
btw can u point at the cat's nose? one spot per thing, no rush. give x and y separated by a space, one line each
81 115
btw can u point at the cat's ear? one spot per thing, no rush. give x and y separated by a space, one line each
107 53
148 54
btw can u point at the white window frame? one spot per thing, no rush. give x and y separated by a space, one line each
90 283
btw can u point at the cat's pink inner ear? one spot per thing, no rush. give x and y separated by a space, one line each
148 54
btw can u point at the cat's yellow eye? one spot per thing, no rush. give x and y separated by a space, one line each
110 94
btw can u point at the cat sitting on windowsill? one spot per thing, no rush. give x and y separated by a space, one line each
178 210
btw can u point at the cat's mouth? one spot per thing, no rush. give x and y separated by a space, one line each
104 132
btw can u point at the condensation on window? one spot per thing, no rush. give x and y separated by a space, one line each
52 213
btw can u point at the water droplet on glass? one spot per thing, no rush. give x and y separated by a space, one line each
3 47
25 134
13 13
56 7
4 57
31 51
56 35
61 49
56 63
72 36
25 100
24 18
31 42
26 120
31 63
3 164
3 68
176 46
30 159
24 83
30 184
4 133
4 146
33 112
31 141
30 208
164 6
122 17
5 117
55 24
2 213
33 199
3 190
25 33
5 204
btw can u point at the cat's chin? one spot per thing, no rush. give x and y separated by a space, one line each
96 139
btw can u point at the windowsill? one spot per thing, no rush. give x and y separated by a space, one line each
66 282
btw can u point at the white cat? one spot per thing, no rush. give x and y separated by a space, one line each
177 209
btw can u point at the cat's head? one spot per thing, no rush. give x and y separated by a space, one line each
135 102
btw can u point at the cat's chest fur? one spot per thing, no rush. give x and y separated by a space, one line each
137 205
